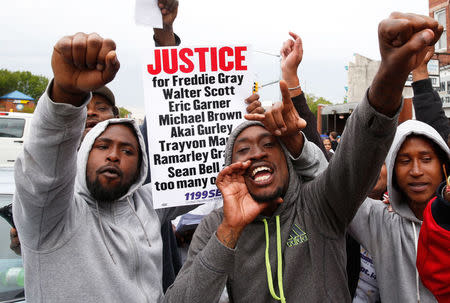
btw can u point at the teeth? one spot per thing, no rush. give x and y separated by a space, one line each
262 178
258 169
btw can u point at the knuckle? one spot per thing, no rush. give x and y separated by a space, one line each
109 44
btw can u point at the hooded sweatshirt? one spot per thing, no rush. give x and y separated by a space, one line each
392 237
297 254
75 249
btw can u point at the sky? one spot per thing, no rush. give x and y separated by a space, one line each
332 32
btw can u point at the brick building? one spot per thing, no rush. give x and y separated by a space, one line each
17 102
439 10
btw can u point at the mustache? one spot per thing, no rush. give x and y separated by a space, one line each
109 168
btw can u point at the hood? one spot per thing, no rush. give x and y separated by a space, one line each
85 148
404 130
293 190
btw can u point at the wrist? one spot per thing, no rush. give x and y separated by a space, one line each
60 94
293 83
420 73
164 36
228 234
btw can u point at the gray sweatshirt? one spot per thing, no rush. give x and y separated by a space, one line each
391 237
74 249
313 220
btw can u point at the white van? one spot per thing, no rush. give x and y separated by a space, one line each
14 130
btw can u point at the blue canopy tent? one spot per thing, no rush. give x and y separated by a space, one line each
16 95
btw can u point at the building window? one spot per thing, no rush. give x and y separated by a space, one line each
441 18
442 87
447 99
448 87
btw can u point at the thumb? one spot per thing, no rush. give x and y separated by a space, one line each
112 67
420 40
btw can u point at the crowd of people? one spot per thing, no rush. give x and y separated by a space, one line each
361 217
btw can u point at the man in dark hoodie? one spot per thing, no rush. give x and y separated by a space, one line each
265 202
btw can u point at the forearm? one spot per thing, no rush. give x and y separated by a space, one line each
310 130
45 172
165 37
204 275
428 107
385 93
356 164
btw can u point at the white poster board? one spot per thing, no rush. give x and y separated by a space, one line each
194 97
147 13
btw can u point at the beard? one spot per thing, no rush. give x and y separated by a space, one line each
279 192
102 194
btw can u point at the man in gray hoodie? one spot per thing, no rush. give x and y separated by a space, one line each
277 239
88 229
414 172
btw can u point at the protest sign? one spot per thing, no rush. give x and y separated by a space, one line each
194 96
147 13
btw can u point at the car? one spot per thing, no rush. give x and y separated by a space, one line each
11 265
14 130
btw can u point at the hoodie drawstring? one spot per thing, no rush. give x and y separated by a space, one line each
103 233
417 273
140 221
279 262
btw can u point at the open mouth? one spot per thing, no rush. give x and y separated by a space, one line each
261 174
110 171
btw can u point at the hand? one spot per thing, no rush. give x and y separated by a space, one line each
291 56
15 242
169 11
82 63
239 207
403 40
283 120
421 72
254 105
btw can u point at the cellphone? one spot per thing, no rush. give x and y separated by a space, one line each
6 213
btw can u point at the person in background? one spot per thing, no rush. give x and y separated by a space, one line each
333 138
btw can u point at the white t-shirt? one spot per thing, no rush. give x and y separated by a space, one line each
367 290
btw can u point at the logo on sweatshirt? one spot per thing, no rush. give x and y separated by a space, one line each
296 236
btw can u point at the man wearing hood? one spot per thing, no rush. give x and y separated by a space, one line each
88 229
414 172
277 239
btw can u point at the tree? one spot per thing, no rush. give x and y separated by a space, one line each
123 112
25 82
314 101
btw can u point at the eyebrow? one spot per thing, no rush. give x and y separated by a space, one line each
97 102
425 152
107 140
244 139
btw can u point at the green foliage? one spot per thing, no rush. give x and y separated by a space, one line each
314 101
123 112
25 82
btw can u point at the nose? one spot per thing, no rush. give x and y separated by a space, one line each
416 169
257 153
113 155
91 112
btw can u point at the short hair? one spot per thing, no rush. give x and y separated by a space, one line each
334 134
